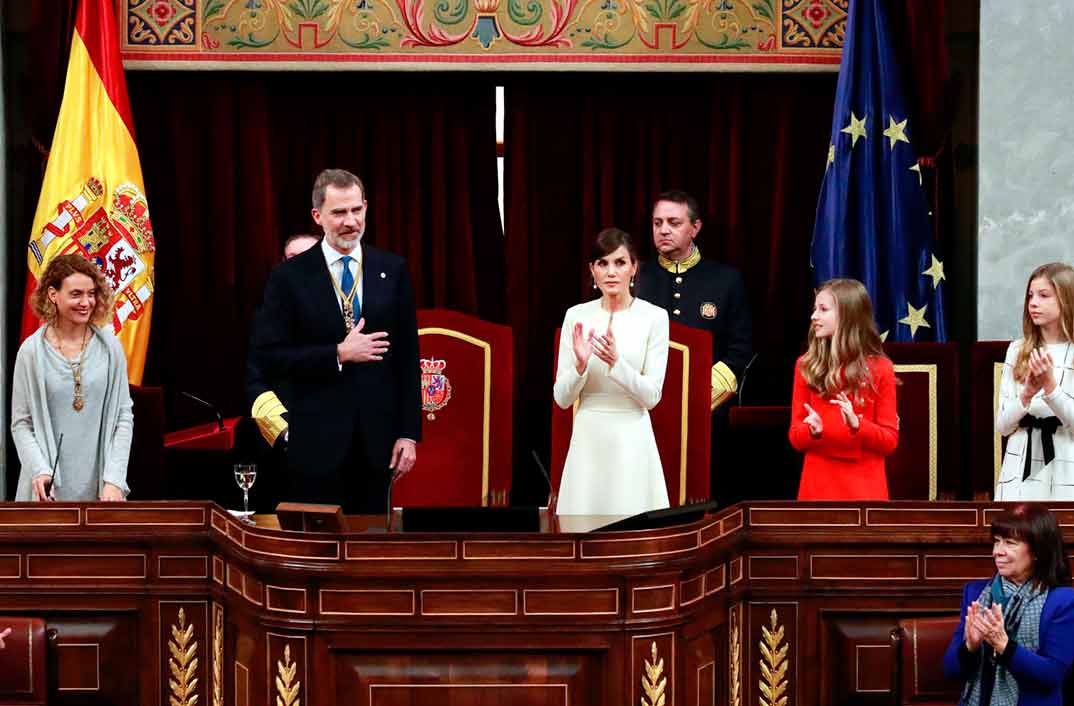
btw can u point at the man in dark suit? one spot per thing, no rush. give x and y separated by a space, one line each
700 293
337 338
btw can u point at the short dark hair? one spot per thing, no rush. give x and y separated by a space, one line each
339 178
693 209
608 241
1033 524
299 236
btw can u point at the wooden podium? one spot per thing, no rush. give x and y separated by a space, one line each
146 602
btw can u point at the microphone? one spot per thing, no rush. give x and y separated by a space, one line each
745 371
541 468
215 410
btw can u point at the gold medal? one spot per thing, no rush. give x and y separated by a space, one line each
347 300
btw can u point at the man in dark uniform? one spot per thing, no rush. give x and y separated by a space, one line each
701 294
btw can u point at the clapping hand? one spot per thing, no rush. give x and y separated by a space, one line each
604 346
4 633
1042 370
847 408
583 347
974 634
990 624
813 421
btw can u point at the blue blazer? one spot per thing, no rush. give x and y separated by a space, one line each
1040 675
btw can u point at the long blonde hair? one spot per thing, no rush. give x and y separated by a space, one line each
1061 277
839 362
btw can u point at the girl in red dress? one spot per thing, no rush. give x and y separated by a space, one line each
843 408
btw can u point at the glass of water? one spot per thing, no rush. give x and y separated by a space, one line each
245 475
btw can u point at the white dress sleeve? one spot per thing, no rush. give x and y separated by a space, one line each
1011 410
1061 402
568 383
645 386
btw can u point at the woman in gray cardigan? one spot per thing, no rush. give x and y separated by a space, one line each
71 386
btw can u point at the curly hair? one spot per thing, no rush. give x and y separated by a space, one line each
60 268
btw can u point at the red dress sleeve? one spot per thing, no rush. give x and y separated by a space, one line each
880 435
798 434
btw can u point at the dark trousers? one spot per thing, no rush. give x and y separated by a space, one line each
359 485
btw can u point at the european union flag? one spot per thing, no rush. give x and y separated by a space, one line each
872 215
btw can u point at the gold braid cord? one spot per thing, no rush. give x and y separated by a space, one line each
774 663
286 687
736 658
653 682
218 655
183 664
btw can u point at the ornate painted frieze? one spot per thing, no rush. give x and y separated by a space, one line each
484 34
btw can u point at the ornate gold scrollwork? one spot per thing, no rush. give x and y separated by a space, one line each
736 658
218 655
653 682
774 664
287 689
183 664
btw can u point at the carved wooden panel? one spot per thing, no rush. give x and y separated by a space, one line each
701 677
85 652
857 660
469 677
287 669
185 652
653 667
771 653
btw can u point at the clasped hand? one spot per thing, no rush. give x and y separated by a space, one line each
586 345
1039 376
816 424
360 347
4 633
44 491
985 625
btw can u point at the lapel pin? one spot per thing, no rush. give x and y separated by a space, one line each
383 276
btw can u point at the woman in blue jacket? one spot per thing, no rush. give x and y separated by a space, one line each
1015 640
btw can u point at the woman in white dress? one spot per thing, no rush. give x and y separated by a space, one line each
613 353
1036 406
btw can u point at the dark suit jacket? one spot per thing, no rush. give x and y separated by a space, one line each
707 282
297 332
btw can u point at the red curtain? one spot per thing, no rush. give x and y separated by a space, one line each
229 162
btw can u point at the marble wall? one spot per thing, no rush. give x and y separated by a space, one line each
1026 188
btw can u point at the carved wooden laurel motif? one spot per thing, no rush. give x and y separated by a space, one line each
773 665
218 655
653 682
183 664
736 658
287 688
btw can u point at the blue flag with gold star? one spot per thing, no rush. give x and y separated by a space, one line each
872 215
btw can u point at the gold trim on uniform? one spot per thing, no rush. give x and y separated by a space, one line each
683 265
268 412
724 384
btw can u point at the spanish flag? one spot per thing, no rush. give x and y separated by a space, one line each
93 200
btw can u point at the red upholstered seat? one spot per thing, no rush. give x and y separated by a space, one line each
681 422
23 669
918 678
464 458
925 464
986 446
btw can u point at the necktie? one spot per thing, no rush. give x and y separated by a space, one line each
346 284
